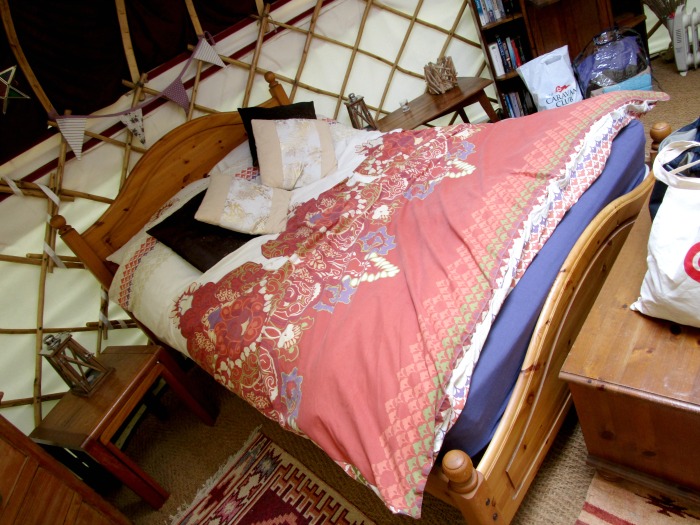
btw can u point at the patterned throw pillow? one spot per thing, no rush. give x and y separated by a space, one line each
293 153
296 110
244 206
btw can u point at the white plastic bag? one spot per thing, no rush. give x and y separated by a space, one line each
671 286
550 79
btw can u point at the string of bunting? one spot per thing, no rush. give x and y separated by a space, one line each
72 127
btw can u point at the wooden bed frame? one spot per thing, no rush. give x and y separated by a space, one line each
491 492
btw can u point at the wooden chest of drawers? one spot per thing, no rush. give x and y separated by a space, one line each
35 489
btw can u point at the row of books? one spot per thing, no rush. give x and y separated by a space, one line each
491 11
507 54
518 104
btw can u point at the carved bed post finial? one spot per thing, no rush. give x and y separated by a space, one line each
658 132
469 490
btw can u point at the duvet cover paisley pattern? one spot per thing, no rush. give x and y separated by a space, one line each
364 333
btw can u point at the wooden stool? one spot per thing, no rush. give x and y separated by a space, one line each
89 423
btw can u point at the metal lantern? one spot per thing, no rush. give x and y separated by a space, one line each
81 371
359 114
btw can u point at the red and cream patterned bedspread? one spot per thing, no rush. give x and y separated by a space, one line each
364 334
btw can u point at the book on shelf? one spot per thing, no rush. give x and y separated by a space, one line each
511 52
518 104
505 55
515 102
508 7
491 12
510 112
521 50
483 18
496 61
501 9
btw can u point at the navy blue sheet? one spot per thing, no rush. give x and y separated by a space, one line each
499 364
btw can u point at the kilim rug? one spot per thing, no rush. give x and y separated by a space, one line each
263 485
625 503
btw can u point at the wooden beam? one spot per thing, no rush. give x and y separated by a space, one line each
22 59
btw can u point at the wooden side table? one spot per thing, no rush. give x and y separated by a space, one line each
427 107
635 381
89 423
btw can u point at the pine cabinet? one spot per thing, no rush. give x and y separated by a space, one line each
35 489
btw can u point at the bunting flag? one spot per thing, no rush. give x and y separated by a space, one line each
134 123
206 53
73 126
177 93
73 130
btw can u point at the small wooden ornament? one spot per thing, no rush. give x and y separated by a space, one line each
441 76
81 371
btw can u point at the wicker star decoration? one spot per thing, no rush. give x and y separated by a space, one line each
7 90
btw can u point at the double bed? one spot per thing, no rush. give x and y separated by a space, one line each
411 307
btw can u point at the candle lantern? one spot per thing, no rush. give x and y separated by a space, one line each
81 371
359 114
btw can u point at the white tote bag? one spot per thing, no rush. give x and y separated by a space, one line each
550 79
671 286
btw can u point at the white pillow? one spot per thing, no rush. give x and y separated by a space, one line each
244 206
293 152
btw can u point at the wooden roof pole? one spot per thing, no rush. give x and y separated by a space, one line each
22 59
126 40
307 45
128 146
200 33
358 39
256 54
453 29
399 54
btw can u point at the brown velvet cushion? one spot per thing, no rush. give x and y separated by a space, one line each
201 244
296 110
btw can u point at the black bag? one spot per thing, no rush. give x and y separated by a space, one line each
689 132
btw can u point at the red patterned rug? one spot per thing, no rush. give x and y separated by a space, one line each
263 485
624 503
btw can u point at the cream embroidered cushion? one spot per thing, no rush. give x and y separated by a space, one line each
244 206
293 153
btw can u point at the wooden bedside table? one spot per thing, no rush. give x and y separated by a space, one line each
635 381
90 423
427 107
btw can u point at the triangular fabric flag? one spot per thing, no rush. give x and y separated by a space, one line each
177 93
133 120
206 53
73 130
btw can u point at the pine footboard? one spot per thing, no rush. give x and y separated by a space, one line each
492 491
